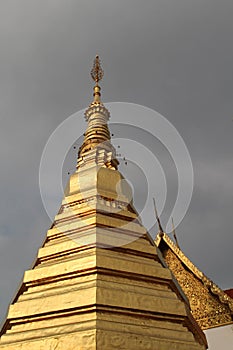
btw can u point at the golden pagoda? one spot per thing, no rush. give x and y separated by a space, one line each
98 281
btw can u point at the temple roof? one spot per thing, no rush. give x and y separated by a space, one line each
210 305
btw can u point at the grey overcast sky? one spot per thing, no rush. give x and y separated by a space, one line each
174 56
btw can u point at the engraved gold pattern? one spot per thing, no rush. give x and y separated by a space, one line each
210 306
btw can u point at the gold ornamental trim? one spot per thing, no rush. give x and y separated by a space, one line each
209 304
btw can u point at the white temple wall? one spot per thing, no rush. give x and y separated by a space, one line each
220 338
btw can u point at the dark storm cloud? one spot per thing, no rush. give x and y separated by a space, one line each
174 56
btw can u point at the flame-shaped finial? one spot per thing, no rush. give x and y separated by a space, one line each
97 72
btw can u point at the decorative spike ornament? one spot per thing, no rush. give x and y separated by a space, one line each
158 219
174 234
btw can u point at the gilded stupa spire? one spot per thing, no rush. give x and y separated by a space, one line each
97 147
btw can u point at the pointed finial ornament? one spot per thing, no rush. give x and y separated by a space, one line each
97 74
158 219
174 234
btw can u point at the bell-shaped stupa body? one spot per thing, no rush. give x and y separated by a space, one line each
98 281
